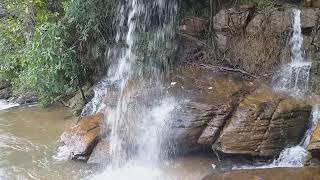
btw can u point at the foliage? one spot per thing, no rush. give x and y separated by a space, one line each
50 46
47 64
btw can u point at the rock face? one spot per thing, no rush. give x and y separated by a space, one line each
81 139
264 124
280 21
314 145
101 153
199 118
232 19
310 173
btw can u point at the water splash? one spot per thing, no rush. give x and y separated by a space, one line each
296 156
4 104
145 31
294 77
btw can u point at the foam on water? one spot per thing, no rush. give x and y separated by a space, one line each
4 104
132 170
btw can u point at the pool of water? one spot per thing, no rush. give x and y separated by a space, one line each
29 145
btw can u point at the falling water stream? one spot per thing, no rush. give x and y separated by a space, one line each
294 76
136 126
294 79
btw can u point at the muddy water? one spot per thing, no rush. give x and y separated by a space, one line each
28 144
28 149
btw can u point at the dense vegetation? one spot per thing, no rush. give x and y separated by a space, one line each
51 47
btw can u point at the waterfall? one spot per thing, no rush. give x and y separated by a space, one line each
293 156
294 77
145 33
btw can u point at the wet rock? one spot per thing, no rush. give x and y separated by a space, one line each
101 153
5 93
311 173
26 98
314 145
81 139
211 132
206 106
77 103
264 124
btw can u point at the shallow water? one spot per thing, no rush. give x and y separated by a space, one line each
28 144
29 141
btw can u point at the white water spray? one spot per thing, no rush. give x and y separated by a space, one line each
136 124
294 77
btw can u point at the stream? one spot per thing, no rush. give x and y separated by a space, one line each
28 145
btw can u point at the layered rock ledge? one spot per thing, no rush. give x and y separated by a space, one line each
311 173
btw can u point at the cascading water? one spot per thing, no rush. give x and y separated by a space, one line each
294 77
293 156
144 29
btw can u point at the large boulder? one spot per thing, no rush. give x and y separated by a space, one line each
310 173
101 153
264 124
232 19
229 22
207 100
81 139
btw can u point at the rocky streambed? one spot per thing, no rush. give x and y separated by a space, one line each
224 105
220 113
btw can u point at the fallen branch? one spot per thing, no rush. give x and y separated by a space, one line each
237 70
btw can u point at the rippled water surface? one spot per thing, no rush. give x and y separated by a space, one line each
28 146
